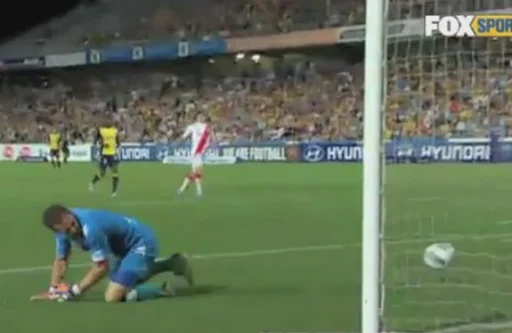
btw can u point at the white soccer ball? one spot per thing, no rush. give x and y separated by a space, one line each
438 255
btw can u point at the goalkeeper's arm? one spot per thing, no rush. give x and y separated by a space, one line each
59 268
60 265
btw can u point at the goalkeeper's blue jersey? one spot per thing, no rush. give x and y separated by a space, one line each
107 234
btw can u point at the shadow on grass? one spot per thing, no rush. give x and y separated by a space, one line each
263 291
211 289
199 290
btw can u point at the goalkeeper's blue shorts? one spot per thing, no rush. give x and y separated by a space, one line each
136 266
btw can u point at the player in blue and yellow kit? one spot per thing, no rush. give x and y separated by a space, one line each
118 244
55 141
107 138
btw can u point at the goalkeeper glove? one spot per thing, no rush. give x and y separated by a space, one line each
59 288
72 293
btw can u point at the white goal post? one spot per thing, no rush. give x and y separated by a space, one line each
372 164
468 206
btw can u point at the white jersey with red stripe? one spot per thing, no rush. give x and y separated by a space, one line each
200 134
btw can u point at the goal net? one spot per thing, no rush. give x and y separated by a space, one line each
441 94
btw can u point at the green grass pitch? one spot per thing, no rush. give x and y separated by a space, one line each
277 246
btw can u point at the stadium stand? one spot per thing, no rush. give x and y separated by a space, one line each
121 21
305 97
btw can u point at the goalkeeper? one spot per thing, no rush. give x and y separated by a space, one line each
105 235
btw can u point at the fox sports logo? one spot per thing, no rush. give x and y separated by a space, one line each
313 153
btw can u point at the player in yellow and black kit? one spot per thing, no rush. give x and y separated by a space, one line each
54 141
108 140
65 148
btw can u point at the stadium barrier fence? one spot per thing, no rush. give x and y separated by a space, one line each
37 152
413 150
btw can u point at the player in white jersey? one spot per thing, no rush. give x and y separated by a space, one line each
201 135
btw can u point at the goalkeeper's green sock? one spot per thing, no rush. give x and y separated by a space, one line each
145 292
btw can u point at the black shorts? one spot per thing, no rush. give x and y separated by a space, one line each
54 153
108 161
65 150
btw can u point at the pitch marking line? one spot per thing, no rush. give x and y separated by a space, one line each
318 248
425 199
209 256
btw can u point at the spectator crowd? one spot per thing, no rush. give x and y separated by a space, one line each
440 88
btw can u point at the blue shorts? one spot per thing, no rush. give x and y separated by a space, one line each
136 266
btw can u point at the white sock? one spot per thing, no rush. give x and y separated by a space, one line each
199 187
184 186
